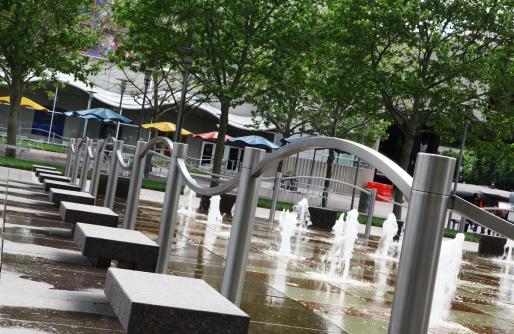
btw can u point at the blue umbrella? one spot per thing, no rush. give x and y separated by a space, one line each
253 141
101 113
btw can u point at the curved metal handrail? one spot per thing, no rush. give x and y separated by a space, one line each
157 140
399 177
192 184
124 165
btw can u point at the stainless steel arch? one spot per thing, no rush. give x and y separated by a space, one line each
191 183
157 140
399 177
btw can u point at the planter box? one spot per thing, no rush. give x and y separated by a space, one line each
121 189
491 246
323 218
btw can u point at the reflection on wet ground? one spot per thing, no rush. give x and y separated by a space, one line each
47 286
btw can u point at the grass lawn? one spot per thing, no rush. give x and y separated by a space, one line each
262 202
38 146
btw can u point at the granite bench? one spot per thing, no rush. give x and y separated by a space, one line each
47 184
130 248
34 167
37 172
43 176
155 303
82 213
58 195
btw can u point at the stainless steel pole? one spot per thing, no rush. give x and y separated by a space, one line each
95 177
188 61
357 169
274 198
419 258
84 131
123 87
53 113
85 165
371 209
169 209
462 224
136 179
457 173
112 180
242 224
69 158
76 160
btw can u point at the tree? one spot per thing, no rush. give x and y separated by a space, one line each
39 39
427 58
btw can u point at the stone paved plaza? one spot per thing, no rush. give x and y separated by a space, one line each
47 286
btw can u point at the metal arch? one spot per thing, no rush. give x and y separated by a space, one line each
481 216
331 180
162 140
399 177
121 162
192 184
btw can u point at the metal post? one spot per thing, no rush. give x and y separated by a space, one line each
142 114
136 178
169 209
112 180
76 161
462 224
188 61
457 173
123 87
95 177
274 199
69 158
85 165
419 258
357 169
53 113
84 131
242 224
371 209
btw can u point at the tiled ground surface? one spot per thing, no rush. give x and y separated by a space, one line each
46 286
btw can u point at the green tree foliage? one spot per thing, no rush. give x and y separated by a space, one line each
39 39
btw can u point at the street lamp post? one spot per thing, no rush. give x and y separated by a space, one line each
148 73
53 113
457 174
188 62
357 167
123 85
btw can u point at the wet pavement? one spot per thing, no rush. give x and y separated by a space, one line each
47 286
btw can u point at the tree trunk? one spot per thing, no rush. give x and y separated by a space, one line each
15 95
404 163
218 153
328 176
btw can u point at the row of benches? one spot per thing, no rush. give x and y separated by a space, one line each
143 301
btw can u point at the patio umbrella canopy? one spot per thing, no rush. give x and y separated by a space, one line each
104 114
253 141
24 103
213 135
166 127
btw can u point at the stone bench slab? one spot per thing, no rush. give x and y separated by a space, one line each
58 195
34 167
47 184
37 172
110 243
155 303
43 176
90 214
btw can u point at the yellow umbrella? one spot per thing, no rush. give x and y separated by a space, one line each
25 103
166 127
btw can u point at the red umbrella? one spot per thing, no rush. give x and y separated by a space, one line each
213 135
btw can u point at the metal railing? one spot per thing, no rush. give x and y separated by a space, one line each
428 193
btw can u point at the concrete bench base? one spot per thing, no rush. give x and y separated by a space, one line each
154 303
37 172
90 214
103 244
47 184
58 195
34 167
43 176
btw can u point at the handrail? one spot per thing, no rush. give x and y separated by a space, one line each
484 218
192 184
124 165
389 168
